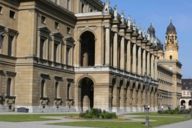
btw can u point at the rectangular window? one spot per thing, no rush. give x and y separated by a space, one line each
56 25
55 52
68 56
68 30
1 39
43 20
1 10
12 14
42 43
10 45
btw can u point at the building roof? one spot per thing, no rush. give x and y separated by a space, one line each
171 29
186 84
151 31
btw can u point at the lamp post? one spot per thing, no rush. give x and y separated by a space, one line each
147 81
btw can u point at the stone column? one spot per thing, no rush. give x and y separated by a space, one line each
139 61
107 46
134 58
128 56
148 63
122 55
139 99
122 98
130 99
38 43
115 43
115 98
77 53
152 66
155 71
51 48
144 62
65 52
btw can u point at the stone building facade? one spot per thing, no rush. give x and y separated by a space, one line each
73 55
186 99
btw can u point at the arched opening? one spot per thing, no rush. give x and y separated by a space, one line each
190 103
87 57
183 103
86 87
170 57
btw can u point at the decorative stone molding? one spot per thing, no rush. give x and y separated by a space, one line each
58 102
44 101
10 100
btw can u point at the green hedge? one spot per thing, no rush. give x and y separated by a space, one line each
98 114
175 111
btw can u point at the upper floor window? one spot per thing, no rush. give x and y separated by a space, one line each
82 7
1 39
56 25
68 30
10 45
42 47
12 14
68 55
1 10
43 20
56 51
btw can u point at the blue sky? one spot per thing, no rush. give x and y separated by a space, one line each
159 13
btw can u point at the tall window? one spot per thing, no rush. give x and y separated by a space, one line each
68 91
43 88
10 45
1 39
82 8
68 56
1 8
57 93
56 51
9 87
42 48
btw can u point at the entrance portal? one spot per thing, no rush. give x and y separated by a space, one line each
86 90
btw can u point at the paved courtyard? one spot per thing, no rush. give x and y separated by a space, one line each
44 124
186 124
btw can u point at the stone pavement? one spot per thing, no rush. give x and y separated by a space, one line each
186 124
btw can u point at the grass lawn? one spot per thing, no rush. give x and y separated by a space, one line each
29 117
156 120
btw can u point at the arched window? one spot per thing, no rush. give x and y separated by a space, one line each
9 82
171 57
190 103
87 49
